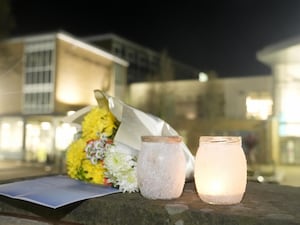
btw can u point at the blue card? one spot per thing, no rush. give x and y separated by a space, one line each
54 191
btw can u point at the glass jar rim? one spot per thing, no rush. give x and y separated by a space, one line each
156 138
220 139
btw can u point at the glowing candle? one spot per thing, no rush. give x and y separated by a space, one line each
220 170
161 167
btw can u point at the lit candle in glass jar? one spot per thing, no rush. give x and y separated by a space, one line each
161 167
220 170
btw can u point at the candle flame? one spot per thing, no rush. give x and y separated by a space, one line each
216 187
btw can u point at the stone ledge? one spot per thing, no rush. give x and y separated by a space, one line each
262 204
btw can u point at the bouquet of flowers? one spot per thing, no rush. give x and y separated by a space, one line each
93 157
105 150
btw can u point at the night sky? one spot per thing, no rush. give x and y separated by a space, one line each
222 36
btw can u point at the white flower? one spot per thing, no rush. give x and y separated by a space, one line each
116 162
119 163
128 181
121 170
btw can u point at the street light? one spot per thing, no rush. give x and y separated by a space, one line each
203 77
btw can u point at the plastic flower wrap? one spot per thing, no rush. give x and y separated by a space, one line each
107 146
93 157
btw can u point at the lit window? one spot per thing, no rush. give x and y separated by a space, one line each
11 134
259 107
64 136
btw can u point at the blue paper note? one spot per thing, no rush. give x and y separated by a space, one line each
54 191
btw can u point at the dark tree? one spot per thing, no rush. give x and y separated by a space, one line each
6 19
161 101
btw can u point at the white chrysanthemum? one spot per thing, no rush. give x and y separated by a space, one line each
116 162
128 181
121 170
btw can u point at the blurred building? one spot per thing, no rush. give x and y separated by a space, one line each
262 109
284 60
230 106
44 77
144 63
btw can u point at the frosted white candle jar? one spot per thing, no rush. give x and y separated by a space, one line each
220 170
161 167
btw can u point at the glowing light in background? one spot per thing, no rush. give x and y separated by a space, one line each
289 108
259 108
45 125
68 95
5 135
203 77
293 70
11 135
74 96
64 136
69 113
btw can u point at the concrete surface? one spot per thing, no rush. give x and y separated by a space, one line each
262 204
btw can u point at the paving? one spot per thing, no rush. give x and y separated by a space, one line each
14 169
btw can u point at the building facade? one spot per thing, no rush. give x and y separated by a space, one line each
42 77
229 106
144 64
284 60
262 109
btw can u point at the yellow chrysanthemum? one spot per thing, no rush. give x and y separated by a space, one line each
83 158
93 173
98 120
74 156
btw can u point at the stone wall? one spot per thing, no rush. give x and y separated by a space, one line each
262 204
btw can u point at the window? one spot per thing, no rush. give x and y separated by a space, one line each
116 51
259 106
11 136
39 76
37 101
290 150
